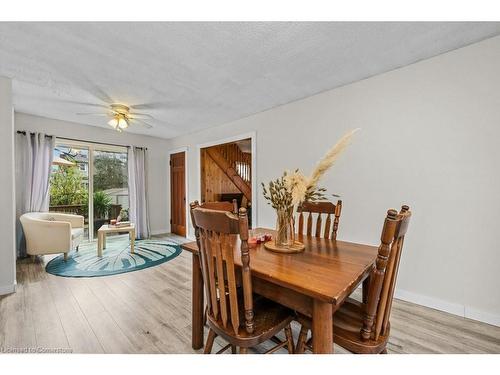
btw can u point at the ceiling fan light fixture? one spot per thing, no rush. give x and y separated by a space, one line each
114 121
118 122
122 123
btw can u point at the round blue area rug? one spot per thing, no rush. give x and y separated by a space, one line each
116 257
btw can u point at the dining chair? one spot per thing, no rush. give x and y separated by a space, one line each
235 314
364 327
320 208
220 206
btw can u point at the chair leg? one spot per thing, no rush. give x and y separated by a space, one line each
384 351
65 257
366 289
289 339
301 341
33 258
210 341
233 349
243 350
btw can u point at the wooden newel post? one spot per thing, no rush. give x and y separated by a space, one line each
246 275
377 276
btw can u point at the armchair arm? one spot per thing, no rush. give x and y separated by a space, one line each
76 221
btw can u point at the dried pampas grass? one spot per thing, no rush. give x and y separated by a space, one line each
293 188
296 183
329 159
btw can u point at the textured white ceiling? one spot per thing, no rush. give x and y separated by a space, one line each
197 75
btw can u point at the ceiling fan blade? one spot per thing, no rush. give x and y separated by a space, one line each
87 104
142 123
94 89
141 115
93 114
153 105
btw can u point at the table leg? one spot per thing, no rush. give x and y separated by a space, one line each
132 241
197 305
99 244
322 327
103 240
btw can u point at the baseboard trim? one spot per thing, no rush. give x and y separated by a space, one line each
482 316
160 231
167 231
434 303
8 289
449 307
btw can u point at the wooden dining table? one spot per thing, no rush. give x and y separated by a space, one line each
314 282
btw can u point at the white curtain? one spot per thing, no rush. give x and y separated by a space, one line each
34 154
137 191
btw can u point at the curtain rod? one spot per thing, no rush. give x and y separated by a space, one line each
82 140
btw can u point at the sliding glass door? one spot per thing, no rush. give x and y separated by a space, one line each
110 186
69 181
81 170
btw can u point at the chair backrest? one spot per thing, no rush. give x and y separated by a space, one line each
319 208
384 275
216 235
221 206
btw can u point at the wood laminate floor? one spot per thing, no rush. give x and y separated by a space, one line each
149 311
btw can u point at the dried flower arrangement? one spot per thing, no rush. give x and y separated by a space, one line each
293 188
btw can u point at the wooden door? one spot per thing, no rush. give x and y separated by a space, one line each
178 193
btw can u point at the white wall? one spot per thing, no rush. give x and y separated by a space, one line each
7 197
430 136
157 161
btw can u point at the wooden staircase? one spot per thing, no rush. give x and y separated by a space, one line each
237 166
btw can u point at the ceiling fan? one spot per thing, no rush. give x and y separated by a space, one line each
122 116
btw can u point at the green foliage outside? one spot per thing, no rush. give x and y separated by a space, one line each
102 204
109 172
124 214
67 187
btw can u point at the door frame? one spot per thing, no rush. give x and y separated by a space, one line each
184 149
253 137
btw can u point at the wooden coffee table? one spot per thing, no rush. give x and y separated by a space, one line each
106 228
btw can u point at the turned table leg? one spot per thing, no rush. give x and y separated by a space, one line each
99 244
322 327
197 305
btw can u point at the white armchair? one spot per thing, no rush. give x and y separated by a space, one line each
52 232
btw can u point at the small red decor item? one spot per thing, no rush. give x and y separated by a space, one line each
112 222
257 240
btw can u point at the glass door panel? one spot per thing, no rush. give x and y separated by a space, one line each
69 182
110 187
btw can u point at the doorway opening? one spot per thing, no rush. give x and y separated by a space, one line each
226 173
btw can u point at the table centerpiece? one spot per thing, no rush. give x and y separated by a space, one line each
290 190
